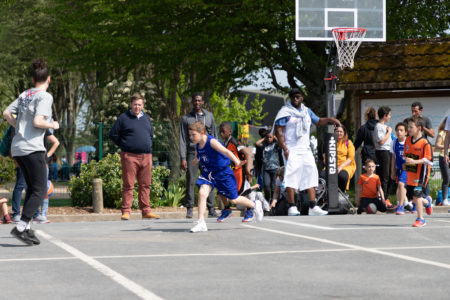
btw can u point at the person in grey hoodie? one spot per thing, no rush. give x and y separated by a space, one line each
365 135
187 151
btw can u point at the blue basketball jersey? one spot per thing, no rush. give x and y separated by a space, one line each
398 151
211 160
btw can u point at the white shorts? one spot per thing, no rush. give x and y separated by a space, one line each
301 171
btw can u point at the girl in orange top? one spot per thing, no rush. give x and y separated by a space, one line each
346 158
369 187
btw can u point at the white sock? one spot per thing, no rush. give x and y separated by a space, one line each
21 226
28 226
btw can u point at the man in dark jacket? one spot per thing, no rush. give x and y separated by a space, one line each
187 151
365 135
133 133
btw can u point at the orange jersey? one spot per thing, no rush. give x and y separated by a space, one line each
369 185
417 175
232 145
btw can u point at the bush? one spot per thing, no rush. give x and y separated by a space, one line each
7 170
109 170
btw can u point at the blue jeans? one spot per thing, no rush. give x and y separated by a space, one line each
44 207
17 193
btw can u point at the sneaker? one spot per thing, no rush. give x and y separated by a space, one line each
212 213
32 236
259 213
293 211
189 213
200 226
125 216
225 214
389 205
317 211
150 215
16 219
249 216
419 223
400 210
22 236
414 209
429 207
445 203
6 219
41 220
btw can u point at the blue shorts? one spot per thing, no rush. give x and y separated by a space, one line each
224 181
401 176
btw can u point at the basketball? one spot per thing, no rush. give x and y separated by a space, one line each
49 188
371 208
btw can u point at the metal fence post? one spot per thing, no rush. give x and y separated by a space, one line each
100 141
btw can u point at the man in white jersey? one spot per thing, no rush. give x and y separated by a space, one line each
292 128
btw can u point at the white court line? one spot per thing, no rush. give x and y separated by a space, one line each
351 228
117 277
221 254
446 221
355 247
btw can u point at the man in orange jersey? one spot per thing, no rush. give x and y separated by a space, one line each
418 156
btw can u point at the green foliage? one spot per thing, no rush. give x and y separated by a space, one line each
7 170
233 110
159 176
109 170
174 194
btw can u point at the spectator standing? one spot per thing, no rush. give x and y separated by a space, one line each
270 162
33 109
133 133
383 138
417 110
292 129
346 158
258 158
187 151
445 171
365 135
447 140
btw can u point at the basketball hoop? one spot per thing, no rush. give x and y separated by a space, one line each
347 43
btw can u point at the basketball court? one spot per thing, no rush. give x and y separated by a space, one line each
341 256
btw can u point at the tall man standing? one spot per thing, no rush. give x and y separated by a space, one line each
133 133
292 128
187 151
416 110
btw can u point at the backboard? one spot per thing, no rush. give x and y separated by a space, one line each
315 18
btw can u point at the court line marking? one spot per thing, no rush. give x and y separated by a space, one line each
130 285
446 221
350 228
345 245
221 254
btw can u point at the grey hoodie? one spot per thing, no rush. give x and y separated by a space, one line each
186 146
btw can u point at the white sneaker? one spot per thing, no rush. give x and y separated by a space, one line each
200 226
293 211
445 203
259 214
317 211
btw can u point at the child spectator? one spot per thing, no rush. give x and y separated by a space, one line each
279 204
369 187
5 219
365 135
383 149
270 162
232 144
445 171
397 172
418 155
215 172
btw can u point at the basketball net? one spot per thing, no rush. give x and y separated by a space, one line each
347 43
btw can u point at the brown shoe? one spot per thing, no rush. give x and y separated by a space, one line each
150 215
125 216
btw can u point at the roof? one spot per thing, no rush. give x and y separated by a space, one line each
401 64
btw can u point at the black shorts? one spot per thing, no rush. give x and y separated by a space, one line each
364 202
411 193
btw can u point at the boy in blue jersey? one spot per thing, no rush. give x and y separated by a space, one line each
216 173
397 171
